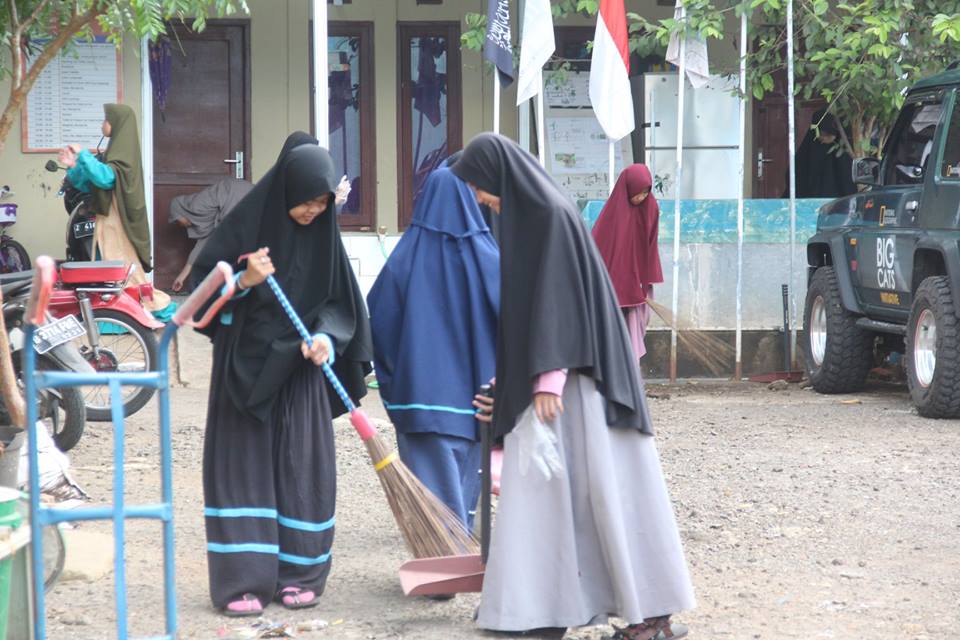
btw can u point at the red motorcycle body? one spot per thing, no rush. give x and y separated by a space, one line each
102 283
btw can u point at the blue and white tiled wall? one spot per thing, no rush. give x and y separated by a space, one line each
708 259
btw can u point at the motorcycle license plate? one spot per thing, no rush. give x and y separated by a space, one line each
83 229
54 334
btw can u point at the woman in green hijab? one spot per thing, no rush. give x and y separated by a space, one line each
116 182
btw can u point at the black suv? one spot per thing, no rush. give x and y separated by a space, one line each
884 264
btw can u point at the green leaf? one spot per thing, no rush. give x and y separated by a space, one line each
588 6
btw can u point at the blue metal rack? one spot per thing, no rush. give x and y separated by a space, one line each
119 512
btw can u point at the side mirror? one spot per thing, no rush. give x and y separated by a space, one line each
866 171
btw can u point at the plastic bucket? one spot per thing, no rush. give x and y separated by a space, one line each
9 517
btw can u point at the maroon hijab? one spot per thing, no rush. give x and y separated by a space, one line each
627 236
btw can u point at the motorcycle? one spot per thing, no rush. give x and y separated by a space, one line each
119 331
82 220
62 410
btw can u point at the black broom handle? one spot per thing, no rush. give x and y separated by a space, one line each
787 359
486 481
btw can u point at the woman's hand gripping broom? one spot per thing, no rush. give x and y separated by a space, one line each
429 528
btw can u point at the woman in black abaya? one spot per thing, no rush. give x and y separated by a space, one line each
269 468
599 538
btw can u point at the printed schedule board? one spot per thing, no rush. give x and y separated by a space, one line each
65 105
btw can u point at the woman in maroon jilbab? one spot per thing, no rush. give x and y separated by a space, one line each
626 233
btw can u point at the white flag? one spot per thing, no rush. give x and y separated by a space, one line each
536 47
696 63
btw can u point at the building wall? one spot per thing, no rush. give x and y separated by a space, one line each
42 220
280 90
477 83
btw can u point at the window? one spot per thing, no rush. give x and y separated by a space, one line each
351 117
911 143
431 111
950 166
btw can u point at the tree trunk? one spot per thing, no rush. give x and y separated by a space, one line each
9 389
17 98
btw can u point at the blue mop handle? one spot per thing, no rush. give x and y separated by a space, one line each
302 330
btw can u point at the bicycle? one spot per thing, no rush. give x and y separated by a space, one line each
13 257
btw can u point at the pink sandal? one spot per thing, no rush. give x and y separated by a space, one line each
297 598
247 606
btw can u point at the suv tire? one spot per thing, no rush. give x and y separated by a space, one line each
838 354
933 350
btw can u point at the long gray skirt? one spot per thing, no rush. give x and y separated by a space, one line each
600 540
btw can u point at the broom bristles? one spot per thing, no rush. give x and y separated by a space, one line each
429 528
716 355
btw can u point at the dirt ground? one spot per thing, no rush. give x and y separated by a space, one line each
803 516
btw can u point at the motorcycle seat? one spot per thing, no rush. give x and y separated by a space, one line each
15 278
12 283
75 273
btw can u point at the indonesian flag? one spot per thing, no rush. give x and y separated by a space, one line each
610 71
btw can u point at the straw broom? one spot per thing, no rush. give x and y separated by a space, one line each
712 352
429 528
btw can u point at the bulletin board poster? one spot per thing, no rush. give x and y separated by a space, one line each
578 155
569 90
65 105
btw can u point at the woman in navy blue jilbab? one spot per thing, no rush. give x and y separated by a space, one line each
434 311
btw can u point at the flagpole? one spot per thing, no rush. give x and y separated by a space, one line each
738 365
523 112
541 133
496 101
792 137
321 98
682 82
613 153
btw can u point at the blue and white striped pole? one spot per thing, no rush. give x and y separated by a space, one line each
302 330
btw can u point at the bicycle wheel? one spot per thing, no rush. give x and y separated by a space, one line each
13 257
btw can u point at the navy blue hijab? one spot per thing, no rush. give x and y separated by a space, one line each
434 312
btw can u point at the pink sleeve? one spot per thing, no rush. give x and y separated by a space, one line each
551 382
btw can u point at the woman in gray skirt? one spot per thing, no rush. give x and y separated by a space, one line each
598 538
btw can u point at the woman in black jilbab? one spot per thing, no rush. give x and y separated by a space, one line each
268 467
599 538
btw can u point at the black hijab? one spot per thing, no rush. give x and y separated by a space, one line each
312 268
296 139
492 219
558 309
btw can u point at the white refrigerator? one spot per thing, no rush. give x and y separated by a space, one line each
710 137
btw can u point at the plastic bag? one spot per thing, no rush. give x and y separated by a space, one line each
54 466
537 444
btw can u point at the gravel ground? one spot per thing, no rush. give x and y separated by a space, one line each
804 516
